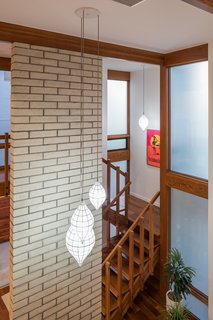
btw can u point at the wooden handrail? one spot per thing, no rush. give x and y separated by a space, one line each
114 167
115 199
2 136
132 227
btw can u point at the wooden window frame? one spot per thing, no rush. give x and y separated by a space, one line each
123 154
170 179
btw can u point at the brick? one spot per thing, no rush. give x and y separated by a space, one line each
45 163
43 76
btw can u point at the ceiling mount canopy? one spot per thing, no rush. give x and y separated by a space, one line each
129 3
87 12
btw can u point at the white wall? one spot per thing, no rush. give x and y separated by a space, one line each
210 216
145 179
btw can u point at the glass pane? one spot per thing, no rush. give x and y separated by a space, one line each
189 119
116 107
189 233
116 144
197 307
4 107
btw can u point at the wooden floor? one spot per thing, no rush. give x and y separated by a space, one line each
3 310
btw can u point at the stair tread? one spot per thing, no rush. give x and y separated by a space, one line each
146 241
136 257
113 283
125 267
113 302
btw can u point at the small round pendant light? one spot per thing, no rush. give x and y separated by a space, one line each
97 194
143 121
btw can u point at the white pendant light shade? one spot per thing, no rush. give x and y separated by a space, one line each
82 221
97 195
143 122
77 248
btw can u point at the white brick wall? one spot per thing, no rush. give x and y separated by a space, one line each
46 282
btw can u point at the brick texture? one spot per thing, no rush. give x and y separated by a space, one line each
46 282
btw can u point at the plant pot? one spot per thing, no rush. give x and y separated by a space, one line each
170 302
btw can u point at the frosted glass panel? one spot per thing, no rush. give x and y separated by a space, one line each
4 107
116 144
189 119
197 307
116 107
189 233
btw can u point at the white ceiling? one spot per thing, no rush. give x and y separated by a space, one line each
158 25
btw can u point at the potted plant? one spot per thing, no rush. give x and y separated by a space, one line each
179 277
177 312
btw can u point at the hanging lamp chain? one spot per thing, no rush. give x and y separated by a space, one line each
143 92
98 71
82 113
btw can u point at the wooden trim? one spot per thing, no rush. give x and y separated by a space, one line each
164 190
16 33
206 5
128 126
118 75
5 64
187 184
120 155
185 56
199 295
117 136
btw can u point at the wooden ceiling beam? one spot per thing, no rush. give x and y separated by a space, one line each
206 5
188 55
16 33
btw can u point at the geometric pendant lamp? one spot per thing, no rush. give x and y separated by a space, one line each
80 237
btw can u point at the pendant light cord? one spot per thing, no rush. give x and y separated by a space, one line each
143 92
98 69
82 113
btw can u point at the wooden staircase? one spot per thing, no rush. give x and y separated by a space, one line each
130 256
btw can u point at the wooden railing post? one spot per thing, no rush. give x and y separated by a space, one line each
108 230
131 264
6 164
118 199
120 278
108 181
107 290
141 267
151 239
126 195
